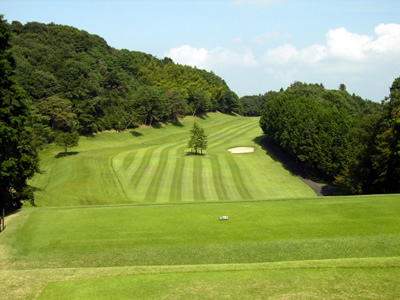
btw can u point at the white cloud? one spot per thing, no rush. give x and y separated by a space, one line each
187 55
227 57
281 55
288 54
346 45
367 64
388 40
209 59
342 47
314 53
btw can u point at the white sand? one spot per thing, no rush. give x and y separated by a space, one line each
241 150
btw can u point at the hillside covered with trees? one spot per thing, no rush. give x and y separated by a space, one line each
338 136
18 157
79 83
58 82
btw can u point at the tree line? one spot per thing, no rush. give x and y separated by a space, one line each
57 81
18 157
77 82
337 136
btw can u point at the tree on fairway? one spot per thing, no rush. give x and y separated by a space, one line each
18 158
67 140
198 139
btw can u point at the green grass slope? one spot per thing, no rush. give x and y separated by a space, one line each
335 247
130 216
150 165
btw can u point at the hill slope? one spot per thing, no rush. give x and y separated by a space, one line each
105 88
152 165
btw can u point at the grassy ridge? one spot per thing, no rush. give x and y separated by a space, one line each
325 242
151 166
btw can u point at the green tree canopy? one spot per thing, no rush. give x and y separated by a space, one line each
375 165
67 140
198 139
315 126
18 158
58 112
104 88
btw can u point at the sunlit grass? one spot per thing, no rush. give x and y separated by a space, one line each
318 243
289 283
186 234
150 165
131 215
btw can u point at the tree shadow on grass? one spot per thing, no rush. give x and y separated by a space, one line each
136 133
278 155
177 124
64 154
290 164
194 154
157 125
36 189
202 116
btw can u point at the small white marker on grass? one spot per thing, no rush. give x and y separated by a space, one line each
221 218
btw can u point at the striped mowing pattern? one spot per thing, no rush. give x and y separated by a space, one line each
200 177
156 167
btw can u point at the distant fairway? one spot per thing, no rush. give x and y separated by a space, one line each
150 165
332 247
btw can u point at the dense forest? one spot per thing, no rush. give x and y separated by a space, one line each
79 83
252 106
58 82
18 157
338 136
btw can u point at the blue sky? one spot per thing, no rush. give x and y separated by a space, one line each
254 45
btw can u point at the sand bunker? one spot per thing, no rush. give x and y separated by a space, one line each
241 150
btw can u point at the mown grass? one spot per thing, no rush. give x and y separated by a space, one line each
360 234
192 233
297 283
131 215
151 165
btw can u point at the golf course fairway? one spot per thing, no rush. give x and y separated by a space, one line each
133 215
149 165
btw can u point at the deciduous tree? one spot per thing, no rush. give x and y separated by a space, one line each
198 139
67 140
